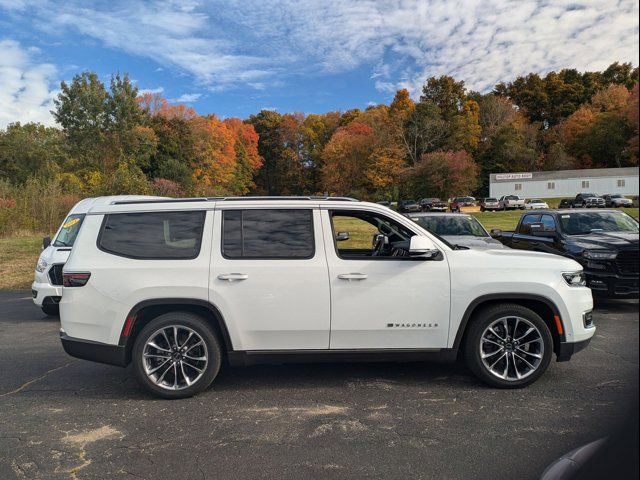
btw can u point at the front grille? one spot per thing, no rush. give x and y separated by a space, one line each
55 274
627 262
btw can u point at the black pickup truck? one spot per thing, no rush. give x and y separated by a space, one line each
604 242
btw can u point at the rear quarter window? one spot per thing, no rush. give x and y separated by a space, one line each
153 235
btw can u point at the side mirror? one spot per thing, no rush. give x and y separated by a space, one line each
342 236
422 246
46 241
495 232
538 230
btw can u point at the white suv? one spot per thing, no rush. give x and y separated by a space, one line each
177 286
46 289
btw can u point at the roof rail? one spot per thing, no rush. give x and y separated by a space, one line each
233 199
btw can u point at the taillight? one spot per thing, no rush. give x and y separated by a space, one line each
75 279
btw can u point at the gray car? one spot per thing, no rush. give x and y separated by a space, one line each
457 228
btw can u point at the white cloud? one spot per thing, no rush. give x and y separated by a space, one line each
187 98
26 86
255 43
142 91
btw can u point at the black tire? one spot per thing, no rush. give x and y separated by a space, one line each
481 321
51 310
189 321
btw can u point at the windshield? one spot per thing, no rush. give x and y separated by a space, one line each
588 222
490 200
69 231
512 197
409 202
451 225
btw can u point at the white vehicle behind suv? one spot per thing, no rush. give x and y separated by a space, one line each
46 289
177 286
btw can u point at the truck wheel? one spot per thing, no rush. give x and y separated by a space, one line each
176 355
51 310
508 346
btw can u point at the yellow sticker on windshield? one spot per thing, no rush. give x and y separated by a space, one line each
71 223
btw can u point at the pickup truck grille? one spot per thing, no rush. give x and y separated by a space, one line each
55 274
627 261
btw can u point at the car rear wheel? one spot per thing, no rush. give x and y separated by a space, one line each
508 346
176 355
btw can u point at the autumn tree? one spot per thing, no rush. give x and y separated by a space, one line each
443 175
346 160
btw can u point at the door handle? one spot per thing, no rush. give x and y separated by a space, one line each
352 276
232 277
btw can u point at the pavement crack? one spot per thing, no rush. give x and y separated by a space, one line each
34 380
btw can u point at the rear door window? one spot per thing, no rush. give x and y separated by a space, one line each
268 234
153 235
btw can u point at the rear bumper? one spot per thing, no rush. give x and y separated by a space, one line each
94 351
566 349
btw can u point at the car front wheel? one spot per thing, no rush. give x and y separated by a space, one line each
508 346
176 355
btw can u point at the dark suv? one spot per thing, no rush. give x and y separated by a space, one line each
433 205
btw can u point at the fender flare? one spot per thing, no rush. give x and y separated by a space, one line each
159 302
503 296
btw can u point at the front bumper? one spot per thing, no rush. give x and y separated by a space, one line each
94 351
44 292
612 285
567 349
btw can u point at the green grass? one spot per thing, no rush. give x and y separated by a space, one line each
18 257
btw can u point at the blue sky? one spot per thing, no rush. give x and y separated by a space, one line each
236 57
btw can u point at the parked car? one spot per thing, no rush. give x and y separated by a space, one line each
433 205
565 203
588 200
177 287
511 202
616 200
489 204
46 288
406 206
605 243
457 228
536 204
467 204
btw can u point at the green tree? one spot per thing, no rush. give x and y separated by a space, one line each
31 149
446 93
423 131
81 111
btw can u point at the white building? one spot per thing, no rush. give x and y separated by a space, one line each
565 183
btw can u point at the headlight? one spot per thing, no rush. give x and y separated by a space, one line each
576 279
41 265
599 254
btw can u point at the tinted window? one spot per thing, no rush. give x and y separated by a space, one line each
525 226
278 233
155 235
549 223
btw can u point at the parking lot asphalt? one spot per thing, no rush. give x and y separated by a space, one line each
67 418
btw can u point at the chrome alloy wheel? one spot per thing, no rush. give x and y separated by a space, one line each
175 357
511 348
